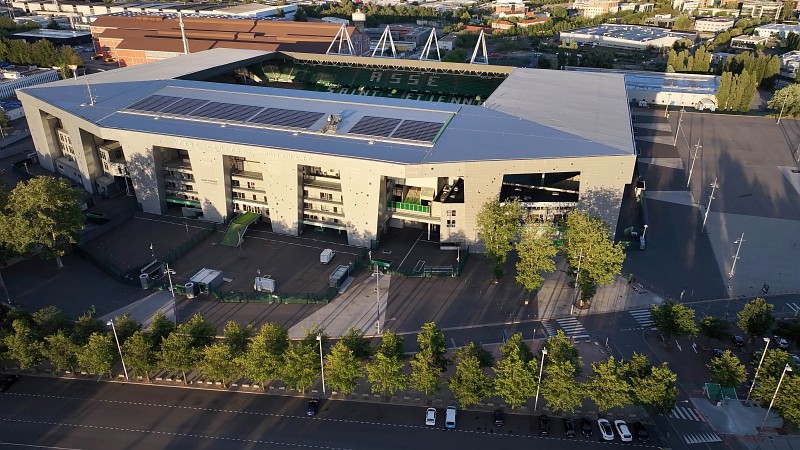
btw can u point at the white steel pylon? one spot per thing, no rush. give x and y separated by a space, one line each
432 40
339 40
386 36
183 34
481 44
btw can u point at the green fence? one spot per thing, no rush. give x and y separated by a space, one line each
435 271
408 207
265 297
183 248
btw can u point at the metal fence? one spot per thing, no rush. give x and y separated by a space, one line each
266 297
435 271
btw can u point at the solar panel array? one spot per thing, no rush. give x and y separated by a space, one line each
228 112
409 130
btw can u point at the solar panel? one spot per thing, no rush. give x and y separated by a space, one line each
226 111
153 103
417 130
375 126
183 106
286 118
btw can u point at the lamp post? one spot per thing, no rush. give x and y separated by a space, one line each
736 256
678 130
714 187
74 69
782 106
378 295
119 349
170 273
753 384
772 402
539 383
666 111
321 363
645 231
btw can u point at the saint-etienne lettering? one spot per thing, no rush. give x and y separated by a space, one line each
407 79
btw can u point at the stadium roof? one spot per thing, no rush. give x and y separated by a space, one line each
534 114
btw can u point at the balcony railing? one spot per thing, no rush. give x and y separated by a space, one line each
400 206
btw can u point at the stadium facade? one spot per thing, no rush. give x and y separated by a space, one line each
339 142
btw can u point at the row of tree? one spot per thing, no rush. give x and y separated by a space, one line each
40 53
678 320
786 101
686 61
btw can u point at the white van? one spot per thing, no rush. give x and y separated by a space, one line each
450 417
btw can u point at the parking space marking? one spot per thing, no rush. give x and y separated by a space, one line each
411 249
420 265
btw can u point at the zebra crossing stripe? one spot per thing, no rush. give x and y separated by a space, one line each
701 438
680 412
572 327
548 329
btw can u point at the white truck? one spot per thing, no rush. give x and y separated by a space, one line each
326 256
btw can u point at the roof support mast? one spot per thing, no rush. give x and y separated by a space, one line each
183 34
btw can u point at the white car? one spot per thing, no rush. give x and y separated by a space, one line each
430 417
623 431
605 429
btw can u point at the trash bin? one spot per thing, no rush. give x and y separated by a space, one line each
145 280
191 289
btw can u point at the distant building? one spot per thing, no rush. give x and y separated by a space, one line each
531 22
762 9
776 29
713 24
661 20
625 36
748 42
448 42
57 37
510 8
790 64
338 20
502 25
17 77
594 8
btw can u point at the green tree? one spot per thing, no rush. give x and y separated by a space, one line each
786 101
52 24
433 346
218 363
237 337
99 355
201 331
636 367
498 224
515 379
42 216
756 317
342 369
559 349
559 387
140 355
386 375
469 384
178 354
4 121
160 328
658 389
587 240
727 370
61 351
354 340
49 320
87 325
793 41
125 327
515 345
300 15
774 362
425 374
724 90
458 55
391 346
606 387
22 345
264 356
300 366
314 334
714 328
787 402
673 319
536 250
485 358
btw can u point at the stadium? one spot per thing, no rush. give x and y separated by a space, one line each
347 143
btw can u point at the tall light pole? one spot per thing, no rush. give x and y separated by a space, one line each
539 383
678 130
378 295
697 148
170 273
753 384
645 231
772 402
666 111
119 349
736 256
152 252
714 186
321 363
782 106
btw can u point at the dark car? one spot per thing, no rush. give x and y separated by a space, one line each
7 382
313 406
738 341
717 353
544 425
782 343
569 428
586 427
499 418
641 433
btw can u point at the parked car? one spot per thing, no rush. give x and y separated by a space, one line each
8 382
781 342
641 432
623 431
586 427
499 418
738 341
313 406
605 429
430 417
450 417
796 359
717 352
544 425
569 428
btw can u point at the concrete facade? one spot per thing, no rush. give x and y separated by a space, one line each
320 178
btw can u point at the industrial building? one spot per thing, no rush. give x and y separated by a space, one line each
790 64
776 29
713 24
635 37
315 142
762 9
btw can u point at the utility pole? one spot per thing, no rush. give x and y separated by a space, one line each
677 131
714 186
736 256
697 148
782 106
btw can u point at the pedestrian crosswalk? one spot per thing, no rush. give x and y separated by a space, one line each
573 328
701 438
682 412
643 317
551 331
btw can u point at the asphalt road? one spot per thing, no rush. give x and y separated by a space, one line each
52 413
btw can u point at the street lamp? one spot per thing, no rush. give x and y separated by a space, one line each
766 339
378 295
321 364
645 231
539 383
119 349
783 374
169 273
